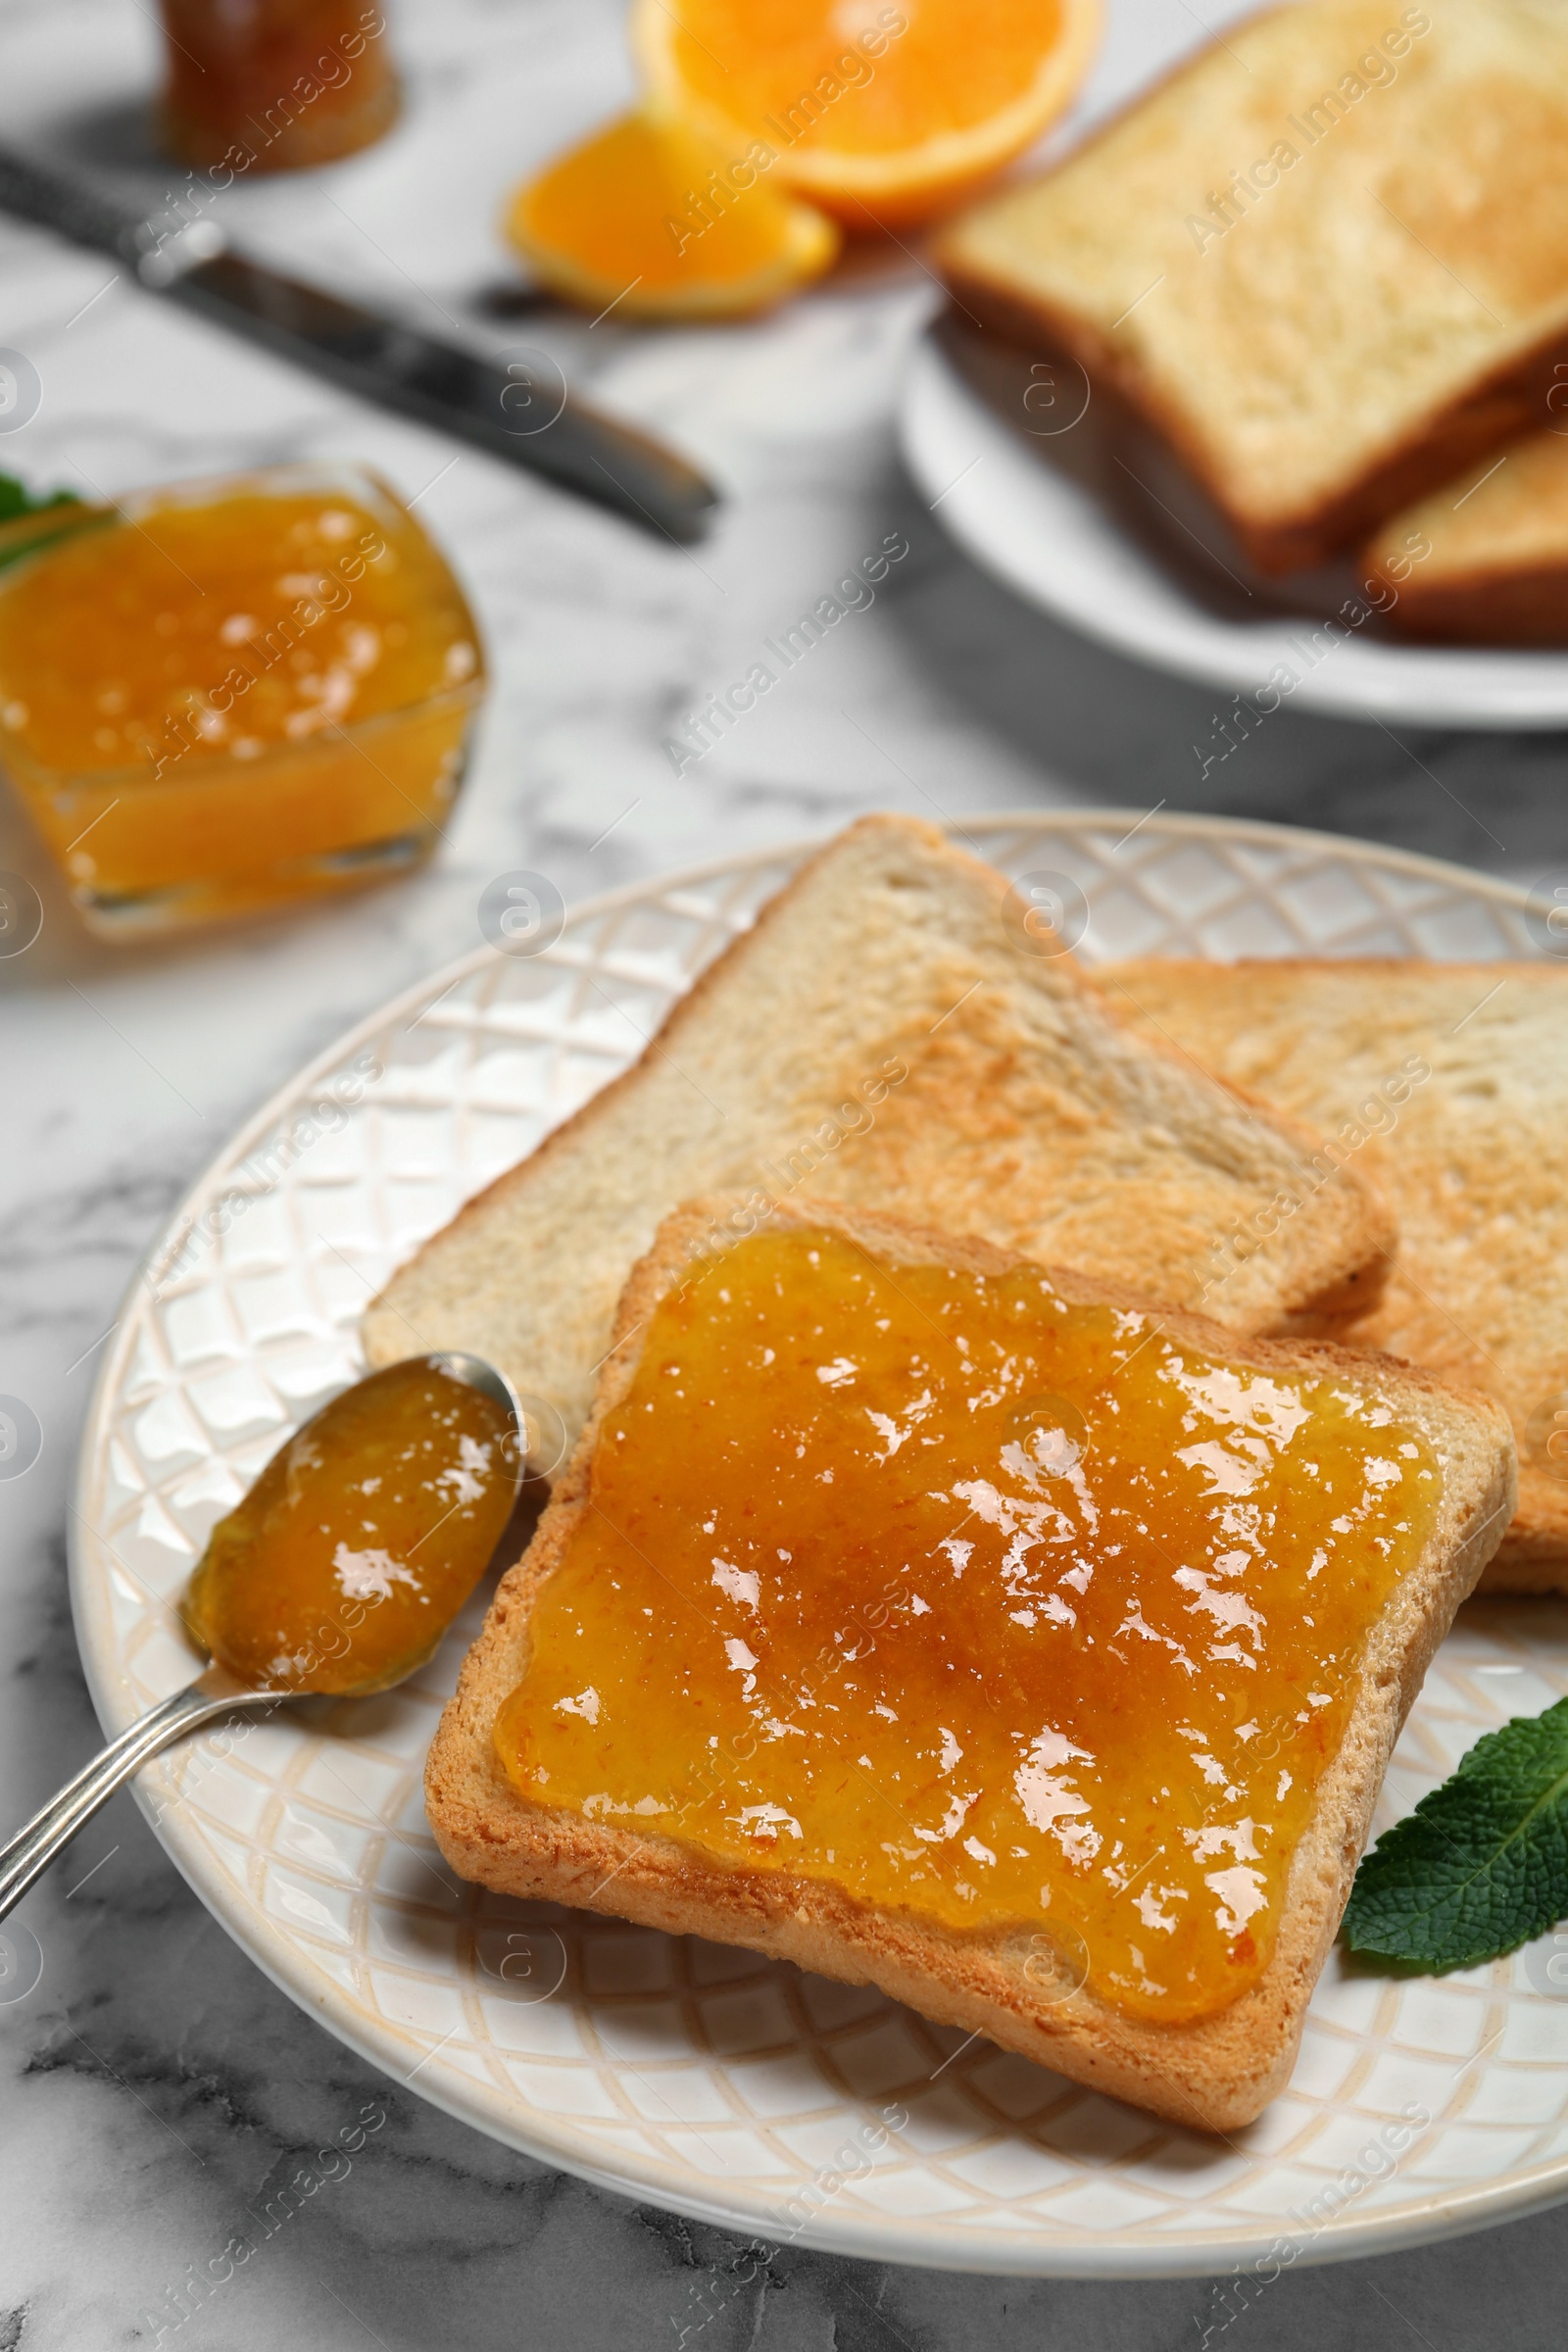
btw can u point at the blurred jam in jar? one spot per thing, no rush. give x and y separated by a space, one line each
275 85
225 695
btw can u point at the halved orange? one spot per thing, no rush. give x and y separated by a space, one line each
880 111
648 219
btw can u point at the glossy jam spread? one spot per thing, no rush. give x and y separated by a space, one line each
246 686
361 1538
1005 1611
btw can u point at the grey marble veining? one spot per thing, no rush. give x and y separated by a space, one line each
158 2091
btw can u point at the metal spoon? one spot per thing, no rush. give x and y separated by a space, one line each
215 1693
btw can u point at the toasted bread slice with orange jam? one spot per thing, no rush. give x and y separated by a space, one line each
644 1684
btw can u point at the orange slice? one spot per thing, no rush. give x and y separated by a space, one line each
881 110
647 219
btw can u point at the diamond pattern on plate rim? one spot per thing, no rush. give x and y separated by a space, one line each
710 2078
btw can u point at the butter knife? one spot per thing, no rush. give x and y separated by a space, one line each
515 413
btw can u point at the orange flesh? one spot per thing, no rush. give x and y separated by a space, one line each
954 65
361 1538
176 691
977 1605
635 213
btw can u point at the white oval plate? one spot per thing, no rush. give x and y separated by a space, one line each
1060 546
734 2089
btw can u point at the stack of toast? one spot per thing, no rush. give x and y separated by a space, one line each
1288 1169
1326 260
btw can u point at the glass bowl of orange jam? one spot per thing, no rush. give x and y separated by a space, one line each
227 695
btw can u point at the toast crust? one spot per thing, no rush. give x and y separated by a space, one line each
1502 397
1474 1293
1501 406
1029 1109
1213 2075
1496 606
1498 569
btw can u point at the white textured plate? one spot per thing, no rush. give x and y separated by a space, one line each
1059 545
708 2079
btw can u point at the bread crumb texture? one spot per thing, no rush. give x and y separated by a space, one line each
1314 256
1471 1155
889 1036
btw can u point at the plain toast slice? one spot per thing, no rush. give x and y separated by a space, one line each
1495 565
1217 2071
1327 259
888 1035
1449 1081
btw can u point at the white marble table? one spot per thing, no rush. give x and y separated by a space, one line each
157 2088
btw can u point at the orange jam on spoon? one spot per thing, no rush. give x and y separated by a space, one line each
979 1604
348 1559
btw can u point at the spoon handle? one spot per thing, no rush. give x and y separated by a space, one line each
36 1845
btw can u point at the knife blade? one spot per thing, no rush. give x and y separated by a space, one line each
516 412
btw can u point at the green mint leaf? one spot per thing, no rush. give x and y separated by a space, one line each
18 505
1481 1864
17 499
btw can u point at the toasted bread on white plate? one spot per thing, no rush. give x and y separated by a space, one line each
764 1748
1493 542
1327 258
1449 1082
897 1031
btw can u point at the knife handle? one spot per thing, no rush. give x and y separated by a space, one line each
455 391
72 210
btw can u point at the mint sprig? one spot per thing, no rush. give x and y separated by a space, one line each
18 505
17 499
1481 1866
